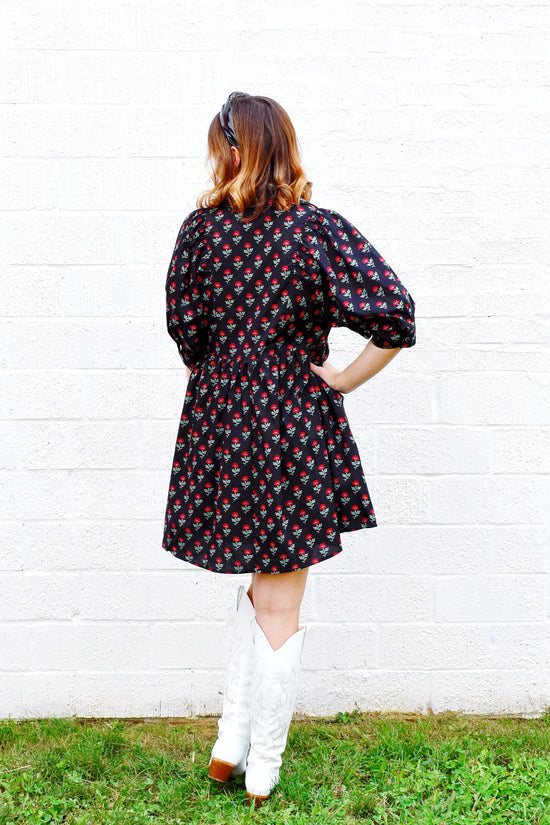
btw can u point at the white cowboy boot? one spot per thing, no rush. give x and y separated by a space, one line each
274 687
228 757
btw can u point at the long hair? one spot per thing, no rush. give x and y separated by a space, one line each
270 168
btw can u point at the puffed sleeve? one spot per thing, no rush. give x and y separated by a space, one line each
362 292
185 311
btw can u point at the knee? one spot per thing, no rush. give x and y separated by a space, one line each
278 596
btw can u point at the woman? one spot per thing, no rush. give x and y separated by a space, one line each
266 472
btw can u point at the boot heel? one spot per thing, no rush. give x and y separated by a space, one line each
220 770
258 800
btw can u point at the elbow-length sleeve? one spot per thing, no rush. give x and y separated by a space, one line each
361 290
185 310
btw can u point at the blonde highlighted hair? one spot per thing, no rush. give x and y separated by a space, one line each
270 168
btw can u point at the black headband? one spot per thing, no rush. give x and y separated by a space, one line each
226 119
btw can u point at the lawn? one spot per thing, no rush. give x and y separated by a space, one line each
353 768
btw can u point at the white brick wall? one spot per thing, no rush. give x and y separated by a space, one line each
426 125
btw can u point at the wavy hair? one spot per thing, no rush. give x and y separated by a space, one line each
270 168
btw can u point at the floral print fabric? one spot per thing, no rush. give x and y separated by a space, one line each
266 472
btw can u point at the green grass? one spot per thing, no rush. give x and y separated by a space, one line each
355 768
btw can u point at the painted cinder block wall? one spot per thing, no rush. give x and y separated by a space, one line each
424 124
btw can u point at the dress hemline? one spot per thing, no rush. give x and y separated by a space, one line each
331 553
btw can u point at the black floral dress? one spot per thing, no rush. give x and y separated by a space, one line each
266 472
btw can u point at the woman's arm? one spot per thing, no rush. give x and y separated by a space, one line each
188 372
367 364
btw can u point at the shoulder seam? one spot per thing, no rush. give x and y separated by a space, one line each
192 226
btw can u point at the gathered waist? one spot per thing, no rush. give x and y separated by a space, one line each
274 359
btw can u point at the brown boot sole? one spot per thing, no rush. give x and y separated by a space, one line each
258 800
220 770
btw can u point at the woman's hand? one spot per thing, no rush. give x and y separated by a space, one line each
362 369
328 373
365 366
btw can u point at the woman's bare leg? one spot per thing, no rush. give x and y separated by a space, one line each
277 598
